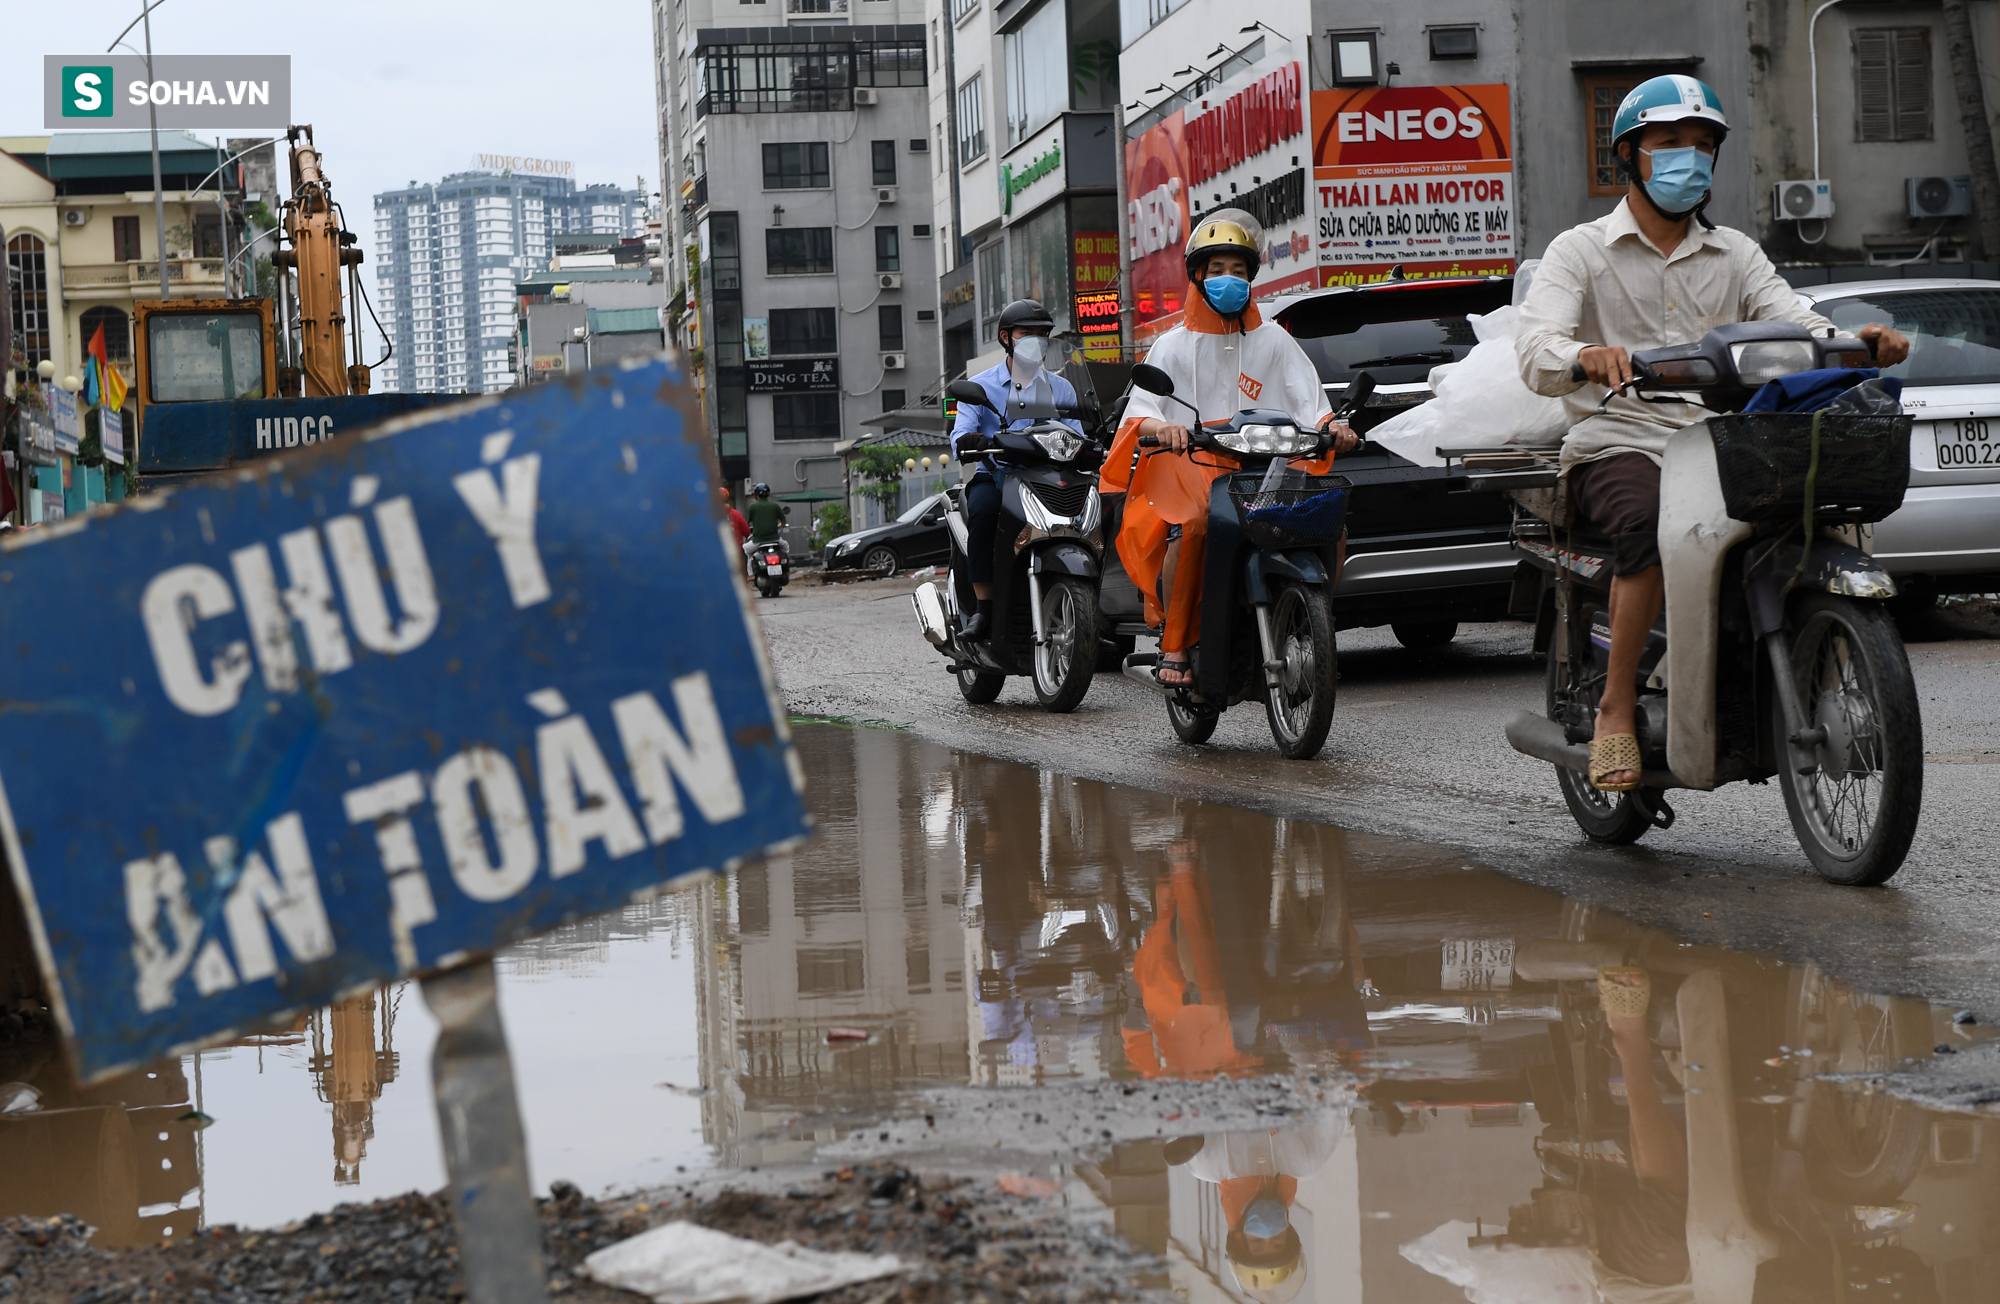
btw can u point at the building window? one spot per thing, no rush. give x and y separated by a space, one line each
992 274
1354 61
117 330
1892 83
889 324
798 165
1601 98
921 231
971 120
805 416
882 156
888 253
1038 72
918 145
892 399
1454 42
28 268
798 250
961 8
125 239
803 331
926 314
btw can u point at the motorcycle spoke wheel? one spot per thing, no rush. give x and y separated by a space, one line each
1855 813
1067 656
1300 705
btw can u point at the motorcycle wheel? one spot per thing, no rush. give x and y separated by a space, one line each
1614 818
767 588
1300 705
1856 813
1193 725
1067 658
1865 1147
980 686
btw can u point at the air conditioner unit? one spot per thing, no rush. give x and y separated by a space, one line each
894 361
1798 201
866 97
1940 196
885 194
75 216
889 280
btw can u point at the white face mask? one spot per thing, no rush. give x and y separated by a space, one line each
1031 350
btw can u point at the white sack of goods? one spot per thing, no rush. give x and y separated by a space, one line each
1481 401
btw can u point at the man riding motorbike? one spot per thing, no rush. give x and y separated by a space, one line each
1654 271
767 519
1223 357
1014 384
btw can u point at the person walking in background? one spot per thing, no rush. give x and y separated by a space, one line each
736 521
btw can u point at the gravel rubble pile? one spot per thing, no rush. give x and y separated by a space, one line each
962 1241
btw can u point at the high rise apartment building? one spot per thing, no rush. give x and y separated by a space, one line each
447 257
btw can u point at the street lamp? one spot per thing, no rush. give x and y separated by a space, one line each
153 118
45 369
72 384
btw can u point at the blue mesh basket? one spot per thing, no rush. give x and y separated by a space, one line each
1302 511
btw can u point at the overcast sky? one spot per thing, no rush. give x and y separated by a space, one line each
397 90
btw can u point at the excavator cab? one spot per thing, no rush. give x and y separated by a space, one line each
204 351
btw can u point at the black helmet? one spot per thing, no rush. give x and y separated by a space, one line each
1024 314
762 490
1221 235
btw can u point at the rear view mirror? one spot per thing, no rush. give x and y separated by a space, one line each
969 391
1359 390
1151 379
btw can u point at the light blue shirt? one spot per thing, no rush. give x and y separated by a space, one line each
999 385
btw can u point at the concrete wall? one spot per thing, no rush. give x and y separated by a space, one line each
1868 177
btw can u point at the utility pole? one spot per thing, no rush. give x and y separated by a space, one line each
1125 295
1972 117
153 118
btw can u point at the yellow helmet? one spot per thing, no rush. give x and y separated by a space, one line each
1272 1283
1217 235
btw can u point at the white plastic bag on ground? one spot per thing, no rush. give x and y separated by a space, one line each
683 1263
1481 402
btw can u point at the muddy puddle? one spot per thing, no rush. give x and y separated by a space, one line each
1548 1102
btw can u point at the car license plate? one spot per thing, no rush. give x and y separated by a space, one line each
1477 964
774 569
1967 443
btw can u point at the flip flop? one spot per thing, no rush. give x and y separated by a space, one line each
1182 666
1624 991
1609 755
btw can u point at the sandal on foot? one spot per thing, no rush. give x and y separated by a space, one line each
1609 755
1179 666
1624 992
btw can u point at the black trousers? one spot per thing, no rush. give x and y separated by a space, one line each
982 518
1621 496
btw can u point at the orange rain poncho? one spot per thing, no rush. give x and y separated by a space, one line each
1221 372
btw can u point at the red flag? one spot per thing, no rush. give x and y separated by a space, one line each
98 351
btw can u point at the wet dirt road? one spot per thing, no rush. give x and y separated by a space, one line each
1417 751
1285 1060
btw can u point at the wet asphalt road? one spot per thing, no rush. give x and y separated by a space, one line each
1417 752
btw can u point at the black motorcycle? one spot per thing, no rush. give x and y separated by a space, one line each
1267 581
769 565
1047 548
1793 666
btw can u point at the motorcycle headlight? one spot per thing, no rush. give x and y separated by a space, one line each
1765 360
1061 443
1287 440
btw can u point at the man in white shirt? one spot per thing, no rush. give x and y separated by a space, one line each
1652 272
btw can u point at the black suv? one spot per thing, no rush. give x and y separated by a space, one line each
1423 555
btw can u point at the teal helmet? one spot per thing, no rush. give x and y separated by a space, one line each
1670 98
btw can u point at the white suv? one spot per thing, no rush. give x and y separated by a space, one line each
1946 536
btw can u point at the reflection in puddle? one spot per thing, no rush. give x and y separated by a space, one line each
1552 1103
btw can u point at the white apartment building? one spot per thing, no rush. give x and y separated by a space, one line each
447 257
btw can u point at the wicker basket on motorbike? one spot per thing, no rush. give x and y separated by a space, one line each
1853 469
1299 511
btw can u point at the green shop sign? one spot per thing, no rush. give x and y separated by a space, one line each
1013 183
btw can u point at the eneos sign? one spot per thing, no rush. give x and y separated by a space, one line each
1421 176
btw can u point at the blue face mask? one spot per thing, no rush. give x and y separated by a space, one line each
1680 177
1266 1217
1226 294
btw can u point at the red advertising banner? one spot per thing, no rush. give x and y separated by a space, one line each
1219 152
1156 222
1094 260
1417 176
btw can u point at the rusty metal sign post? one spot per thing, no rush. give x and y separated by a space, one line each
372 711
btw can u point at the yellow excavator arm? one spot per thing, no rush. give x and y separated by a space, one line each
320 251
